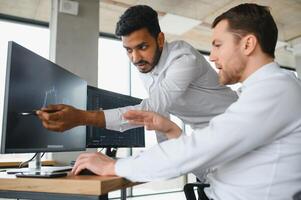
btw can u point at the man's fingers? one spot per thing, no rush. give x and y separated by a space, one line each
45 116
81 162
76 164
53 108
79 166
54 116
135 113
49 108
137 122
52 126
138 115
130 115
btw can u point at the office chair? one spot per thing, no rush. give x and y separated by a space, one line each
189 191
297 196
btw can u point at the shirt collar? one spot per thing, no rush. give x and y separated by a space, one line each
260 74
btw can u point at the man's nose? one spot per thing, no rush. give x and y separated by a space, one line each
212 56
136 57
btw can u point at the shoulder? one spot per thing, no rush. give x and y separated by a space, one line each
281 79
281 85
180 54
181 50
181 46
287 83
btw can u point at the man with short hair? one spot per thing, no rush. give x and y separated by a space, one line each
177 78
253 148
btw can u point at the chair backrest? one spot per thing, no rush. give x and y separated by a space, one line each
189 191
297 196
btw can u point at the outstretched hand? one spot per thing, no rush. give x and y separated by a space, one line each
153 121
60 117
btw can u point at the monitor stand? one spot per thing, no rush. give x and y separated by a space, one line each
111 152
37 167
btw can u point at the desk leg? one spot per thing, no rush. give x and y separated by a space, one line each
123 194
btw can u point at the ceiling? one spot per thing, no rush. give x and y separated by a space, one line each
287 14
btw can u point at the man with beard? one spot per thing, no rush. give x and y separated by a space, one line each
253 148
177 77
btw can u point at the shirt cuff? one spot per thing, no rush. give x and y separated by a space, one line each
123 168
112 119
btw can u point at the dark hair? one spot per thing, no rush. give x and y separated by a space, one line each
255 19
138 17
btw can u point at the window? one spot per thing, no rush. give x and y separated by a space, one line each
113 66
33 37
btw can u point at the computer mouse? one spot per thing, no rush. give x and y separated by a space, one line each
86 172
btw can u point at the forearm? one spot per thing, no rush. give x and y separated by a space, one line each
93 118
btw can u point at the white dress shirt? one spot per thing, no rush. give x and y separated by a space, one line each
183 84
254 147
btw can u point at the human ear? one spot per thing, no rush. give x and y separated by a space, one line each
161 40
249 44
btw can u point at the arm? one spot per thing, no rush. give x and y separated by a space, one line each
153 121
183 70
103 165
179 76
63 117
228 137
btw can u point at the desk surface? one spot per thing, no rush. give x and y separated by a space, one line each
83 185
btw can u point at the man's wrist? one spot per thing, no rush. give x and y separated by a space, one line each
174 133
93 118
111 168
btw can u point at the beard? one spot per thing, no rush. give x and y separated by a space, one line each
230 76
156 56
154 62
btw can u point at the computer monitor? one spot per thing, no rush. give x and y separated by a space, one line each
33 82
101 137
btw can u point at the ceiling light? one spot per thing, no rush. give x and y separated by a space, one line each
177 25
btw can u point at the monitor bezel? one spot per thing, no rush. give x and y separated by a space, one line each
89 145
4 149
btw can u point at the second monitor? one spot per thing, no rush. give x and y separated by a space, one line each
101 137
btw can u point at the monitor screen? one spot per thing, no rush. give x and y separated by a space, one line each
33 82
100 137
